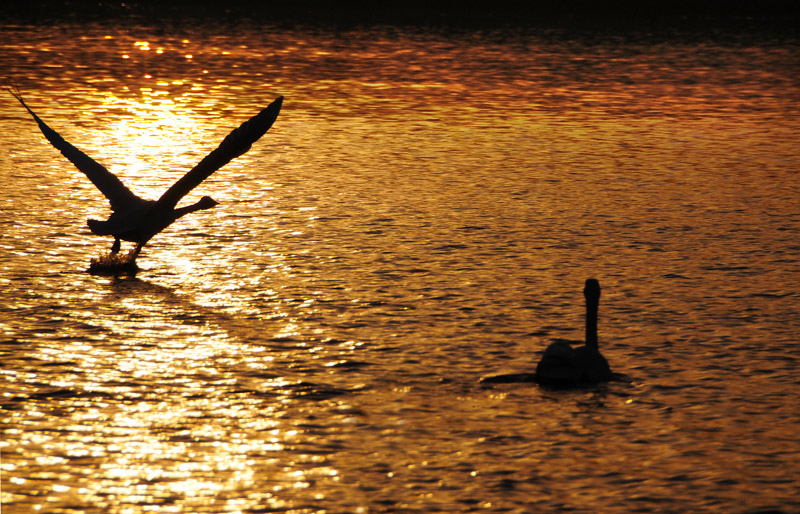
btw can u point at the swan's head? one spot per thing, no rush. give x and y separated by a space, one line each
206 203
591 291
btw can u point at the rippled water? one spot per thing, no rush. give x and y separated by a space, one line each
423 213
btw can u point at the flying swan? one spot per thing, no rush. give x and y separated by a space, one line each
136 219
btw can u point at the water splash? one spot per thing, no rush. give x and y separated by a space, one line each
114 264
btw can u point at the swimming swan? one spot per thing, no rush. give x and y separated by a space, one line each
136 219
565 366
562 365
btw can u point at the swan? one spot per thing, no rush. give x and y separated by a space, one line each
562 365
135 219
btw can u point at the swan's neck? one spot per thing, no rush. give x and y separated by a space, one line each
591 324
182 211
592 294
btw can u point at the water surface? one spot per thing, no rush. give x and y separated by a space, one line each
424 212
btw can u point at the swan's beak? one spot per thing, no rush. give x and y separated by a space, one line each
207 202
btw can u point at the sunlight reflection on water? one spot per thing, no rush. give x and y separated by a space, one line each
424 212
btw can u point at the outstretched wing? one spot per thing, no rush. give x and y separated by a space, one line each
118 195
234 145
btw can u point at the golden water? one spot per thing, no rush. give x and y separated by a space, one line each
423 212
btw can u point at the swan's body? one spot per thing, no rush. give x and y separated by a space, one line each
136 219
564 366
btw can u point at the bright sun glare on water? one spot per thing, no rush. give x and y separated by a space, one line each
153 135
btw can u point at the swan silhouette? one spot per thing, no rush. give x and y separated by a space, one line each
135 219
564 366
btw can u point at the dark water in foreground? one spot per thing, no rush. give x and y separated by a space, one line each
423 213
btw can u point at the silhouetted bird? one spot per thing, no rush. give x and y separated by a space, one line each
562 365
136 219
565 366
